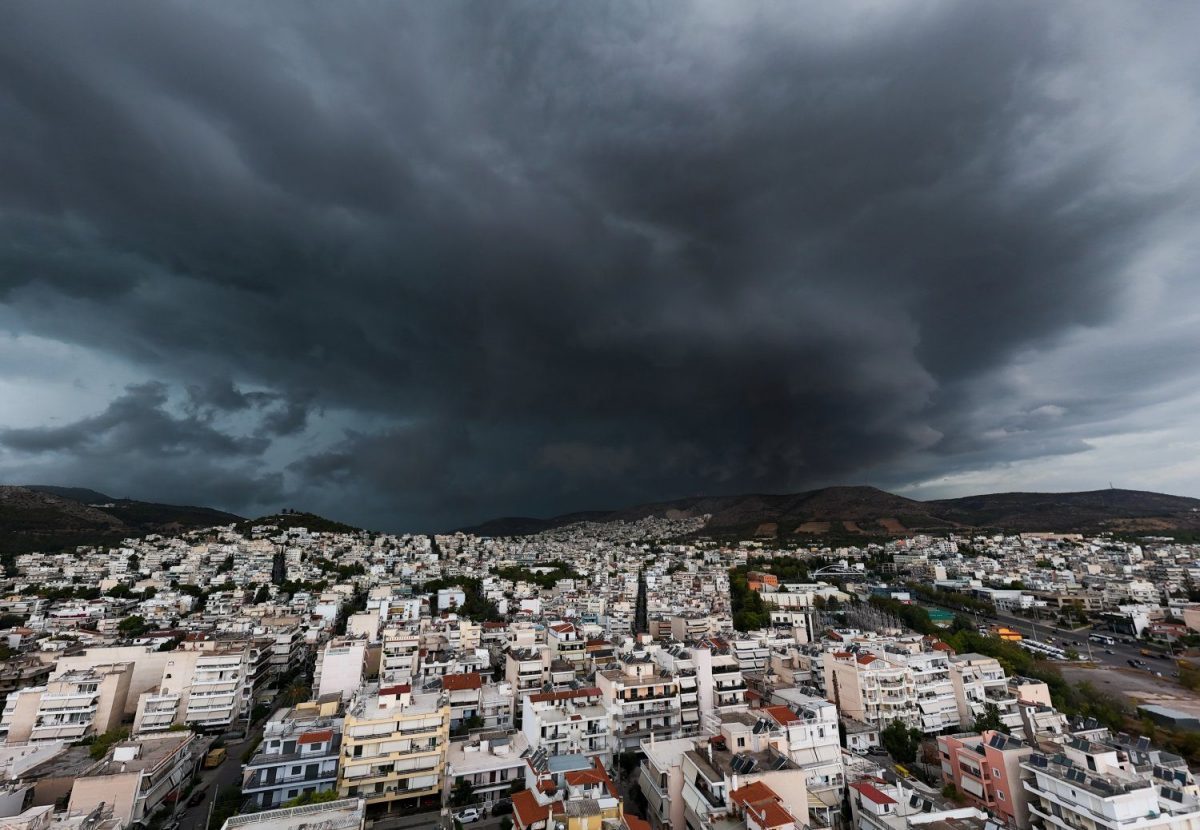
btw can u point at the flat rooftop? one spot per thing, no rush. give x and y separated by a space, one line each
151 751
345 814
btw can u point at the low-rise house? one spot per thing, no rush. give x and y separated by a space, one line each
136 777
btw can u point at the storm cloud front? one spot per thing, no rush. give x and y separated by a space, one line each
415 265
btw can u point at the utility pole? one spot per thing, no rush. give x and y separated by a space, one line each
212 805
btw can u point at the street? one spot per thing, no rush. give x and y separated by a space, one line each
1064 637
229 774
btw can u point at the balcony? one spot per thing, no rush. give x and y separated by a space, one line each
652 709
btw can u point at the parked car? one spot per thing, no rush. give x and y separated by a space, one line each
468 815
196 797
1109 651
503 807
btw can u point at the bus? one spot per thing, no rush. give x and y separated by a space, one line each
1103 639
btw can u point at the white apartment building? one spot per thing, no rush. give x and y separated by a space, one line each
202 687
341 667
71 706
641 700
979 680
1098 786
805 728
572 721
489 761
400 658
870 688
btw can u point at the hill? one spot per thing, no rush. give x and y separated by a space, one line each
867 511
56 518
293 519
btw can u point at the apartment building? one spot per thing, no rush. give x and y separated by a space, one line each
937 706
71 706
341 667
571 721
641 700
400 658
566 643
878 804
289 649
805 729
344 814
527 670
394 746
201 687
871 688
979 681
20 672
465 693
690 628
1109 785
661 781
489 761
756 787
298 755
136 777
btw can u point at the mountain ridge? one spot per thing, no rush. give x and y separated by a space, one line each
45 518
867 511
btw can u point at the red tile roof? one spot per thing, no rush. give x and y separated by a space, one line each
318 737
772 815
461 682
782 715
527 810
635 823
595 775
755 793
871 794
403 688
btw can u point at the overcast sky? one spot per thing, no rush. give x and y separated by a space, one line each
415 265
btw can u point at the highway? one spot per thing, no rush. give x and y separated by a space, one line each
1066 638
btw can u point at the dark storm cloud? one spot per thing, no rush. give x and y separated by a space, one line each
136 422
448 261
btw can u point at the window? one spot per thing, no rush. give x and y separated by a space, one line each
995 773
1000 794
296 770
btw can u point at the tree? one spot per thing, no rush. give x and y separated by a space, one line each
506 823
901 742
463 793
262 594
132 626
120 592
100 744
312 798
295 693
990 719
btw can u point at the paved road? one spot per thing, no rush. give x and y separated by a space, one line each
1063 637
229 774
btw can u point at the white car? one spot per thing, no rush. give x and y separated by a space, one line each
468 815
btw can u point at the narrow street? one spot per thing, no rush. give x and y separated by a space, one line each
229 774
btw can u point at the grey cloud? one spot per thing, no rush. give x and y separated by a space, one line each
490 259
